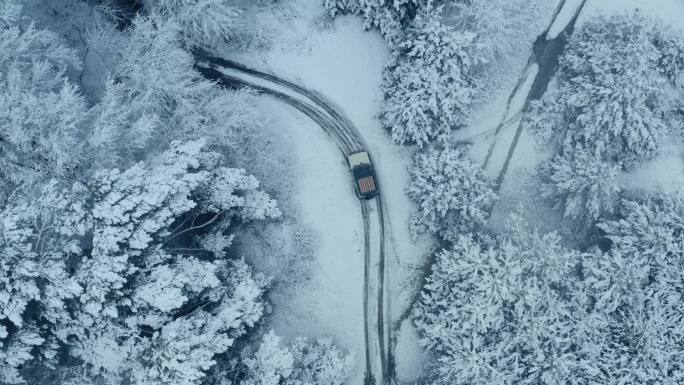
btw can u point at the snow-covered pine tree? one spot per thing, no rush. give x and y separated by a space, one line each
427 85
157 307
580 184
317 362
452 193
388 16
506 314
611 97
671 63
652 229
635 333
40 232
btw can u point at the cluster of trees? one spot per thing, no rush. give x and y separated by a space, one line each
388 16
303 363
611 110
120 206
526 310
444 58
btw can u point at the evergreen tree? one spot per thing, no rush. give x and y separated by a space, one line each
427 85
611 98
510 313
581 185
452 193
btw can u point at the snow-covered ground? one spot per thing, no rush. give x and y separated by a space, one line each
329 303
345 64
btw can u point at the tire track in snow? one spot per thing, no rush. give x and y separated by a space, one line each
379 366
545 56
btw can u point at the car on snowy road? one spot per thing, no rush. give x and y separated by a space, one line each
365 183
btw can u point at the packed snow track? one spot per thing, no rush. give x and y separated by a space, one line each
348 139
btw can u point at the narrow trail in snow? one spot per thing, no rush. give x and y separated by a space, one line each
545 56
379 359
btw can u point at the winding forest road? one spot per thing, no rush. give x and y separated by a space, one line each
378 353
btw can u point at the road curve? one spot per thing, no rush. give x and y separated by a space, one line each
378 353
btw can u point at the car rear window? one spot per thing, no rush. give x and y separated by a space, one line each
366 185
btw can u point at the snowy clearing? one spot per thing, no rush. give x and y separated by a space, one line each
330 302
356 59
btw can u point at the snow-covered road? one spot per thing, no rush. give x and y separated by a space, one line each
377 326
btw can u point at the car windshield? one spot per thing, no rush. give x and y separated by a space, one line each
362 171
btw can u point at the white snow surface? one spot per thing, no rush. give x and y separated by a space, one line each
330 302
563 19
344 63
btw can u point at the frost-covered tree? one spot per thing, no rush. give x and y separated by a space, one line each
388 16
271 364
202 23
37 238
319 362
507 314
41 111
581 185
452 193
636 333
427 85
304 363
117 271
652 229
671 63
154 96
144 273
611 98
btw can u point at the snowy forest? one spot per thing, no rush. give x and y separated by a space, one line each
177 205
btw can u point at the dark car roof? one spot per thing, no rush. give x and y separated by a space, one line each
362 171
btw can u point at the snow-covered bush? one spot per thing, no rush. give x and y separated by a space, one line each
388 16
427 85
41 111
506 314
581 184
306 362
611 98
452 193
